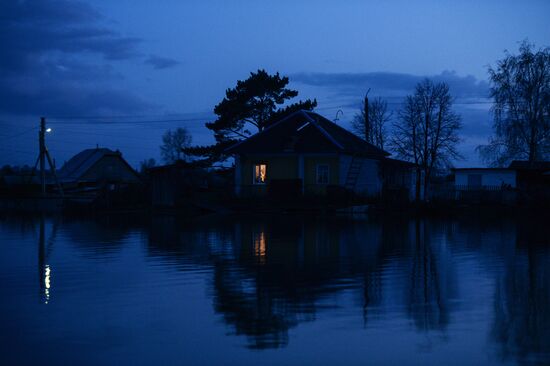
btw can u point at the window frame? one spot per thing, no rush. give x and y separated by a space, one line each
317 176
254 181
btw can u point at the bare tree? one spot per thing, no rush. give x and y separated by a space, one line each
373 129
173 143
521 93
146 164
426 132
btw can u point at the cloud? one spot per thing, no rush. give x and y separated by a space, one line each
390 84
57 58
160 63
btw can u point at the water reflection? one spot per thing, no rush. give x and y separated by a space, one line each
267 277
275 273
44 252
522 307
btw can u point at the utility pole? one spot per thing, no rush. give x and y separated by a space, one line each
367 119
42 146
42 156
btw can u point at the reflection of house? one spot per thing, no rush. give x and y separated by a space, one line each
97 168
306 153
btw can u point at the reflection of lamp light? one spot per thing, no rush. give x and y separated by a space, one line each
48 129
260 246
47 272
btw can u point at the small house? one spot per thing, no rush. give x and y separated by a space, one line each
521 181
533 175
97 168
520 174
305 153
484 178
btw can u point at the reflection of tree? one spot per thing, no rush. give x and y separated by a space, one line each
253 311
427 297
278 272
522 307
271 273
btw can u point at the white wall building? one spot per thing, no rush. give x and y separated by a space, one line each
485 178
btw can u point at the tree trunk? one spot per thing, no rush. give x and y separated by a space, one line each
417 187
426 183
532 144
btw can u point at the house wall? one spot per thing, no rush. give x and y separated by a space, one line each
310 173
164 185
369 181
110 168
285 167
489 178
278 167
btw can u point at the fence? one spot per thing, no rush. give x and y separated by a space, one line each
473 194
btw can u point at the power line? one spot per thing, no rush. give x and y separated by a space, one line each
135 116
18 134
107 121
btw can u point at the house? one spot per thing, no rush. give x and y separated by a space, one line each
520 182
533 175
520 174
97 168
484 178
305 153
172 184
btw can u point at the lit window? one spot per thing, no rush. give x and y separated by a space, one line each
260 173
322 174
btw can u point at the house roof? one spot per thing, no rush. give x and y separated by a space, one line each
79 164
305 132
483 169
399 163
530 165
515 166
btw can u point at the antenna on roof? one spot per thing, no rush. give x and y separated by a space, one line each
336 117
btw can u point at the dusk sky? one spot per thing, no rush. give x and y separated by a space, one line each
118 73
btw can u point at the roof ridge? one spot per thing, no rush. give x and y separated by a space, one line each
382 151
324 132
89 155
300 111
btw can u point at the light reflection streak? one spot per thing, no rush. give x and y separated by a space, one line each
260 246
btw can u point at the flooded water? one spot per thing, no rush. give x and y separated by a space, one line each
249 290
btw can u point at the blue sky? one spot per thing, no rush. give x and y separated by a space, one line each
151 61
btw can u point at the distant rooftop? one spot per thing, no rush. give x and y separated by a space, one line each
81 162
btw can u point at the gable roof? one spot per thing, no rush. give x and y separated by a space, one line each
530 165
79 164
305 132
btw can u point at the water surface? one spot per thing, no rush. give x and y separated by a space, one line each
243 290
